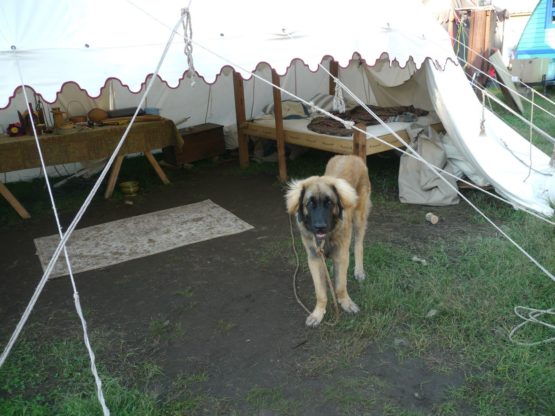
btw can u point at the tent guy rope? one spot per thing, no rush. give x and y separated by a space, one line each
77 301
437 171
507 73
533 313
433 168
80 213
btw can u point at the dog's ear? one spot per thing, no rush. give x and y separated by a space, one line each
346 194
339 204
294 196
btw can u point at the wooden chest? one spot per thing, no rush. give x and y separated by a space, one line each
202 141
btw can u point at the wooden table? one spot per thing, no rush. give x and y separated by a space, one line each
84 144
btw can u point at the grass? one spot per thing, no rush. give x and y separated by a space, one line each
49 374
271 399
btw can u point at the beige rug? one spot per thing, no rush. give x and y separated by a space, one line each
135 237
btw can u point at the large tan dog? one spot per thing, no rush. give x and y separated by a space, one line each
326 208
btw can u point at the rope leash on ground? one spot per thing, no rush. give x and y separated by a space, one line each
297 265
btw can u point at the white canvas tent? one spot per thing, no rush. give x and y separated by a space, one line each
109 48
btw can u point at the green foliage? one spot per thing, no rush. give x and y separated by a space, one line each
539 115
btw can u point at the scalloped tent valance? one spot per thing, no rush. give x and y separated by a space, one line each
49 43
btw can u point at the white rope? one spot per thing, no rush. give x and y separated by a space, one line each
483 120
534 313
98 381
527 164
530 101
82 210
504 70
531 135
436 171
546 135
531 318
188 37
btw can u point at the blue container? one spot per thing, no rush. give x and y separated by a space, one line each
152 111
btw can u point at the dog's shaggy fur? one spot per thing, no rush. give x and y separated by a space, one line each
326 209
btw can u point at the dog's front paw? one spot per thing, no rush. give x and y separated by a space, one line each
314 319
348 305
360 275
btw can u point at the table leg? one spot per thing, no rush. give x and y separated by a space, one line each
113 177
156 167
12 200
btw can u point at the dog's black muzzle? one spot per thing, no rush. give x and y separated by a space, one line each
320 220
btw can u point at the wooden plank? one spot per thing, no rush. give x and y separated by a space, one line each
156 167
118 121
113 177
280 136
480 40
507 85
475 41
325 142
241 117
12 200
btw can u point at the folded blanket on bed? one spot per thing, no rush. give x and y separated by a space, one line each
326 125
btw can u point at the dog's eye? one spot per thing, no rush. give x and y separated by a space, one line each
327 202
311 203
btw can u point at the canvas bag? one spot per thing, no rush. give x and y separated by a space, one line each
418 184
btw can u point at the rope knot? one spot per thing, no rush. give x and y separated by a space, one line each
188 39
349 124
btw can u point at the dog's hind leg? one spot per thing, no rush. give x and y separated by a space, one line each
360 219
317 270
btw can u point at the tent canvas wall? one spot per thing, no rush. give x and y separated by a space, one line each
51 43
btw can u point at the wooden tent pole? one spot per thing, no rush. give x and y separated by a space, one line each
241 118
280 135
359 142
334 71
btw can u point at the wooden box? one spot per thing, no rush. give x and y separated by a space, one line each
199 142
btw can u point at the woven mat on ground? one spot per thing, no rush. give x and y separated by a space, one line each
114 242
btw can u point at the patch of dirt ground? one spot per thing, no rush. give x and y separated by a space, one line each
225 308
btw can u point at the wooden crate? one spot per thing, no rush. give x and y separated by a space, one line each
199 142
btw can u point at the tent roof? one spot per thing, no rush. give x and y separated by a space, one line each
52 42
